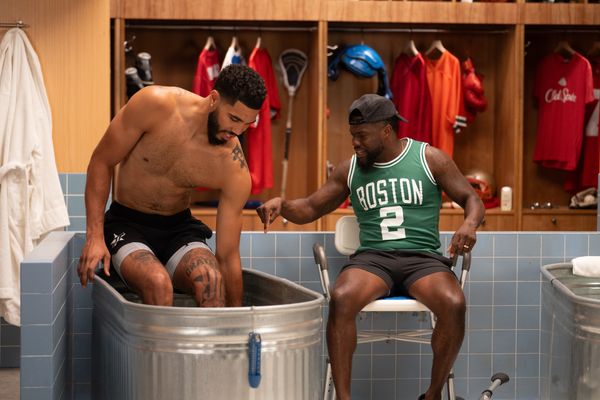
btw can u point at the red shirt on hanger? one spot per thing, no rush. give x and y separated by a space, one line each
412 97
445 85
260 153
586 175
563 87
207 72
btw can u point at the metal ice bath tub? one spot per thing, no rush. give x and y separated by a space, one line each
184 352
570 335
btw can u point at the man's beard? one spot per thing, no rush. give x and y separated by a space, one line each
366 163
213 130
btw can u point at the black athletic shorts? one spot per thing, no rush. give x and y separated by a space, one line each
399 268
168 237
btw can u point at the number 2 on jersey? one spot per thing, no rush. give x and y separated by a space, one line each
393 222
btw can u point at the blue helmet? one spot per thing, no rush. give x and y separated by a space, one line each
362 61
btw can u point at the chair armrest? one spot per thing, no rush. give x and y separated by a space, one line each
320 257
321 261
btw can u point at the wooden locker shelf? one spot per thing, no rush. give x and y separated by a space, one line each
421 12
559 219
559 14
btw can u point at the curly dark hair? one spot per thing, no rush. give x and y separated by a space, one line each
239 82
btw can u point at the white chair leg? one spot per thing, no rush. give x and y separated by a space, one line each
328 387
450 386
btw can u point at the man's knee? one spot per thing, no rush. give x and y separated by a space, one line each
342 303
454 306
157 285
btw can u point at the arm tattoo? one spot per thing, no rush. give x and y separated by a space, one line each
238 155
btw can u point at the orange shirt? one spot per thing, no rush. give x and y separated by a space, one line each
444 81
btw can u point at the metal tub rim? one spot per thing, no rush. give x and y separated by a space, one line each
562 288
230 311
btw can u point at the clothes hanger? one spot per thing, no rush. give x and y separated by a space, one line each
594 50
210 44
436 45
410 48
564 48
258 42
234 43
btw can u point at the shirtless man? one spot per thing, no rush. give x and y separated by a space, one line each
169 141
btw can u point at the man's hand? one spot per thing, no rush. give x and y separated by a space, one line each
269 211
94 251
463 239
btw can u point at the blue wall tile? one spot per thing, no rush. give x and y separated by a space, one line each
76 224
505 293
76 206
528 317
553 245
528 341
480 365
576 245
482 270
528 293
263 245
384 389
505 269
479 317
504 341
384 367
505 245
528 269
505 317
484 247
594 245
39 393
307 240
76 183
288 245
36 278
530 245
288 268
480 293
480 341
527 388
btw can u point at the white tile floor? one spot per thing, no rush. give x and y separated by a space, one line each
9 383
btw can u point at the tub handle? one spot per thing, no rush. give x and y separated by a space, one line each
254 348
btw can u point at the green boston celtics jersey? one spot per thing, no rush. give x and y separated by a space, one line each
397 203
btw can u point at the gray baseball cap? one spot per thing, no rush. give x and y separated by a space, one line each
371 108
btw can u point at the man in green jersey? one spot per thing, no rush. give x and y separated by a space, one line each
395 187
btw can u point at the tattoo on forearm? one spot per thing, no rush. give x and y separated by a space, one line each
238 155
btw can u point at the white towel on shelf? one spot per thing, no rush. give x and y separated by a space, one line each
586 266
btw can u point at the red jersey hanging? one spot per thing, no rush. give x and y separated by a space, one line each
259 148
207 72
444 80
411 97
586 175
563 87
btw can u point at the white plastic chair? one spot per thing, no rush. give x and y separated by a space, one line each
346 242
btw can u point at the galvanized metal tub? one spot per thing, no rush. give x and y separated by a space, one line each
185 352
570 335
